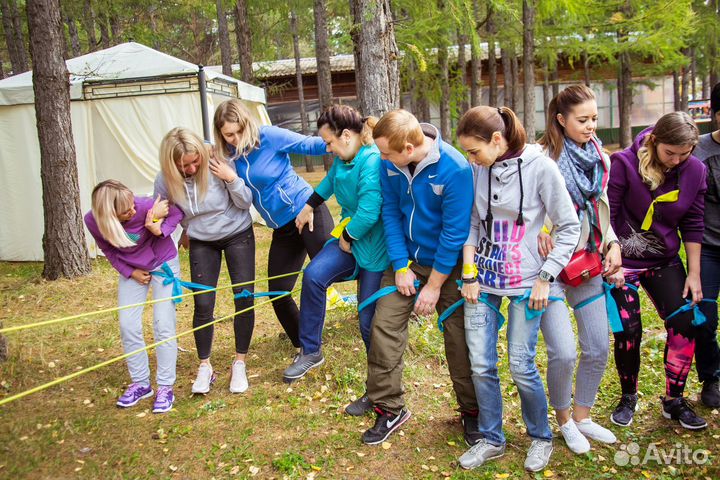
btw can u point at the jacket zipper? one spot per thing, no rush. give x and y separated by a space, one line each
247 174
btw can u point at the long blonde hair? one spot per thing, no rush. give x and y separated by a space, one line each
233 111
176 143
110 198
675 128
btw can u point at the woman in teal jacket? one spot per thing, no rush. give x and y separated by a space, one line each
359 251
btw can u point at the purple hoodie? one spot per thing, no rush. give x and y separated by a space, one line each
150 251
630 199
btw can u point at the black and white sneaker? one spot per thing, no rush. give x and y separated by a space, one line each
471 433
359 407
624 412
301 365
385 424
678 409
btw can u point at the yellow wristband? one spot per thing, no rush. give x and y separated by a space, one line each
470 270
404 269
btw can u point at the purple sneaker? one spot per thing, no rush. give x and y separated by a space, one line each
134 393
164 400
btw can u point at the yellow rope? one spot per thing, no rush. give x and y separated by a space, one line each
149 302
60 380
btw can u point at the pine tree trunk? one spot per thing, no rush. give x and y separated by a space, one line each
104 30
2 70
444 92
244 41
299 80
115 31
705 86
676 91
529 69
547 92
515 67
413 88
376 54
475 63
224 39
555 79
74 37
14 38
586 69
64 238
693 74
89 24
492 61
322 54
462 71
684 84
625 99
507 77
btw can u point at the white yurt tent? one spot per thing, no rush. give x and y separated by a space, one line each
123 101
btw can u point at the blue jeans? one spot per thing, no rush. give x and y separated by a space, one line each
332 265
481 334
707 353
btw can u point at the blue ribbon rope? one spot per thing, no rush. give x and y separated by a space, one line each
699 317
169 277
483 298
382 293
244 293
531 313
613 313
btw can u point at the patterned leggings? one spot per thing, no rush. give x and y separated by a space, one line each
664 286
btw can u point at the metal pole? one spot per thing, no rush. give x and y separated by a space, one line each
203 103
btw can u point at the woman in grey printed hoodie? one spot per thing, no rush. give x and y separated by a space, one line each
516 186
217 220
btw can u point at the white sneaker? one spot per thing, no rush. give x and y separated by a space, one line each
574 439
205 378
594 431
238 380
538 456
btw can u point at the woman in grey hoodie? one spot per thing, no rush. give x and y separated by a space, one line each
217 220
516 186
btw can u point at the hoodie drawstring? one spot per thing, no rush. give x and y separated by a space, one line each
489 216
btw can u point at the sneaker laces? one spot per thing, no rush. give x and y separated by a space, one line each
627 400
683 405
536 448
134 389
164 394
480 445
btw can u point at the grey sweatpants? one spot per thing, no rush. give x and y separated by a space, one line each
131 327
593 333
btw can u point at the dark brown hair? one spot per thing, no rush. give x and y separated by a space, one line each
554 137
344 117
481 122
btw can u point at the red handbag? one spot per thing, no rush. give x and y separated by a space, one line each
583 265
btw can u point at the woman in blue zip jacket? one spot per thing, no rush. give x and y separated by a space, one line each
261 156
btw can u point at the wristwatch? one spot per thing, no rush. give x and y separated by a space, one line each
545 276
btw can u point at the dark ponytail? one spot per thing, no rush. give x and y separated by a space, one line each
481 122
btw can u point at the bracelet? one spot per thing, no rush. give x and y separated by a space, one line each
469 281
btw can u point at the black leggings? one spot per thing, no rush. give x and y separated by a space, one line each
287 254
664 286
205 258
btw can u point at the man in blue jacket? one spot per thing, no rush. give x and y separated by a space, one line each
427 189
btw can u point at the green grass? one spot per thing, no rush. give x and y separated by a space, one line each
274 431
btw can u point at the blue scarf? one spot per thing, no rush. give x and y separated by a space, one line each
582 169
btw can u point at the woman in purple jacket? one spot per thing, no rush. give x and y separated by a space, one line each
656 191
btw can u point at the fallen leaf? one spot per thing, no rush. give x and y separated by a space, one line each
51 364
500 476
141 414
451 443
646 474
548 473
386 445
172 468
360 454
253 470
235 470
424 467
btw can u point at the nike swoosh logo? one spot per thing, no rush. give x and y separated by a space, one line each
392 423
432 176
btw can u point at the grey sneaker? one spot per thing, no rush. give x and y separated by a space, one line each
359 407
539 455
301 365
238 379
480 453
205 378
